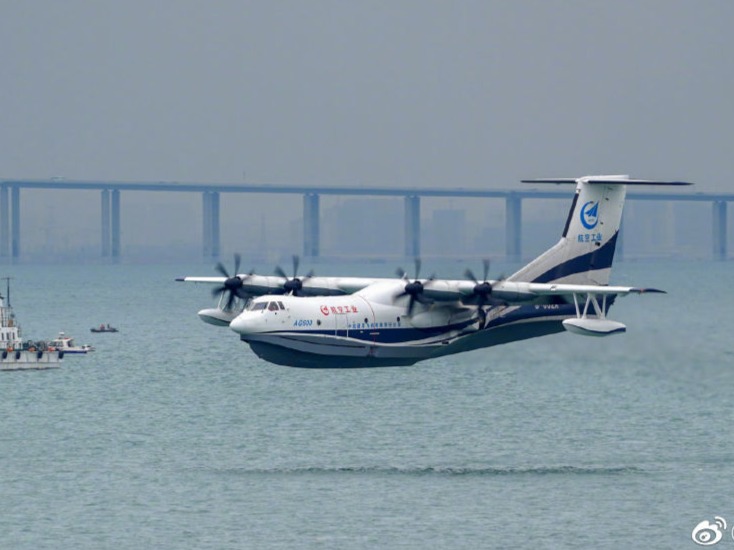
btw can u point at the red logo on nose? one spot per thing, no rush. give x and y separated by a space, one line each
325 310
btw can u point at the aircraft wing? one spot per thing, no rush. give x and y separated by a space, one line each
258 285
209 280
441 290
350 285
560 289
519 292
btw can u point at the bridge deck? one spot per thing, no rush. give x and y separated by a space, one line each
10 237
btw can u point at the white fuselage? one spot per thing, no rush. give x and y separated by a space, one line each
370 327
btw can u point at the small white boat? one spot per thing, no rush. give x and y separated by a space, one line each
66 344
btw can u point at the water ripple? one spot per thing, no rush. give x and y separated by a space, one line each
436 470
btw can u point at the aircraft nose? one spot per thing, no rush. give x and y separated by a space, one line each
242 324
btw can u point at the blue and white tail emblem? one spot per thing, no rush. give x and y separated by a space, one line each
590 214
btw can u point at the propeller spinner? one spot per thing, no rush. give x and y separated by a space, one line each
482 291
293 285
415 288
232 285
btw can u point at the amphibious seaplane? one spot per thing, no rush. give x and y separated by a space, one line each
369 322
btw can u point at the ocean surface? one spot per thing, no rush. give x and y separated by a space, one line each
174 435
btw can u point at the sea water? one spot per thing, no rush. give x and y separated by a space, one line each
173 434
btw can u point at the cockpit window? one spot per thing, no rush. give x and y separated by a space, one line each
257 306
281 305
273 306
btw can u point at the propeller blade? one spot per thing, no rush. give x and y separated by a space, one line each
241 293
232 284
482 291
496 301
293 285
219 267
218 291
423 299
415 288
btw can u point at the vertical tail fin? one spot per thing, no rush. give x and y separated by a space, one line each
585 252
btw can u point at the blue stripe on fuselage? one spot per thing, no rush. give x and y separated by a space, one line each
407 334
385 335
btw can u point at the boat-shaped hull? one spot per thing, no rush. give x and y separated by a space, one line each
65 344
309 350
30 360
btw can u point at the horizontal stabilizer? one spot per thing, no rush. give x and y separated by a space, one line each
625 180
642 182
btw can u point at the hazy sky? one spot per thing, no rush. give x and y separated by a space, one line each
403 92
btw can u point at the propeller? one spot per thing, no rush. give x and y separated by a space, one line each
482 291
293 285
414 288
233 284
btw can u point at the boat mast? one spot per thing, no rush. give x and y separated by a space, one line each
7 281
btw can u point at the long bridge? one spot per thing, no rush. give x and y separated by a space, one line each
110 235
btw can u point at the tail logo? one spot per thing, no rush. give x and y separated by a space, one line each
590 214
